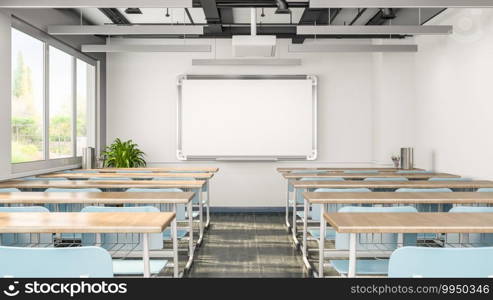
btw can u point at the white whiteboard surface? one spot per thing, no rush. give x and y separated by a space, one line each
247 117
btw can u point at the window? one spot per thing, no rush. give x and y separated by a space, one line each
27 98
86 84
53 100
61 104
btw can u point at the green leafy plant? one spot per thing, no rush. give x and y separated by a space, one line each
123 155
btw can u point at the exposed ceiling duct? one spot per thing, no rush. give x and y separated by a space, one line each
254 45
282 7
387 13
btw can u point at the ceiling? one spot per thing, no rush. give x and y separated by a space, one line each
224 18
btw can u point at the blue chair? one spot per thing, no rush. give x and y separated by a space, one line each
126 242
73 262
361 171
485 190
473 239
45 178
315 211
9 190
413 172
180 211
68 207
386 179
109 178
449 179
195 199
441 262
386 241
427 207
24 238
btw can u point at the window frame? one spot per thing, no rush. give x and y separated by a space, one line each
73 161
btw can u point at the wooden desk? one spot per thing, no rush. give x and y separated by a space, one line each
289 169
398 198
474 184
415 176
122 222
165 169
129 175
104 184
111 198
355 223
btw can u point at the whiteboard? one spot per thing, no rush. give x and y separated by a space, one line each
247 117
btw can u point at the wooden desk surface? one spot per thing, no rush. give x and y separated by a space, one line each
120 222
43 184
362 175
289 169
393 184
96 197
131 175
166 169
398 198
411 222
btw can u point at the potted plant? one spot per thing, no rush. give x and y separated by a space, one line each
396 160
123 155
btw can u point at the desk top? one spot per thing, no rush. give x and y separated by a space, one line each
398 198
474 184
362 175
115 222
131 175
43 184
96 197
411 222
289 169
166 169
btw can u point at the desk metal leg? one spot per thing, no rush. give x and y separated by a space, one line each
145 255
174 234
287 208
201 219
321 243
293 225
304 246
352 255
191 247
208 207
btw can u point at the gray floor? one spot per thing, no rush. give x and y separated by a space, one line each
247 245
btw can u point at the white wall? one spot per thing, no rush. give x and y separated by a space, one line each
454 103
142 97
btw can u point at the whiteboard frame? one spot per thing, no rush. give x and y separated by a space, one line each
182 156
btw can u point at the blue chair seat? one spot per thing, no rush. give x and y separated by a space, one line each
9 190
180 234
131 267
330 234
363 266
486 190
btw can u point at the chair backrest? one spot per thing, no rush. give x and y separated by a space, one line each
361 171
45 178
386 179
110 178
315 212
299 192
441 262
385 241
449 179
485 190
472 239
122 240
55 262
180 209
68 207
9 190
412 171
25 238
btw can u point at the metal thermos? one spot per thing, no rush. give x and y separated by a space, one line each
88 158
407 158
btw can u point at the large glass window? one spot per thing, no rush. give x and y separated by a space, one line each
61 104
27 98
86 79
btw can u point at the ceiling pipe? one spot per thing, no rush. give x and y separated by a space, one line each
253 21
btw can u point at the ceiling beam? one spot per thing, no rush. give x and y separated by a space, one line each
312 16
189 16
211 15
358 15
383 29
94 3
124 29
310 48
401 3
145 48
